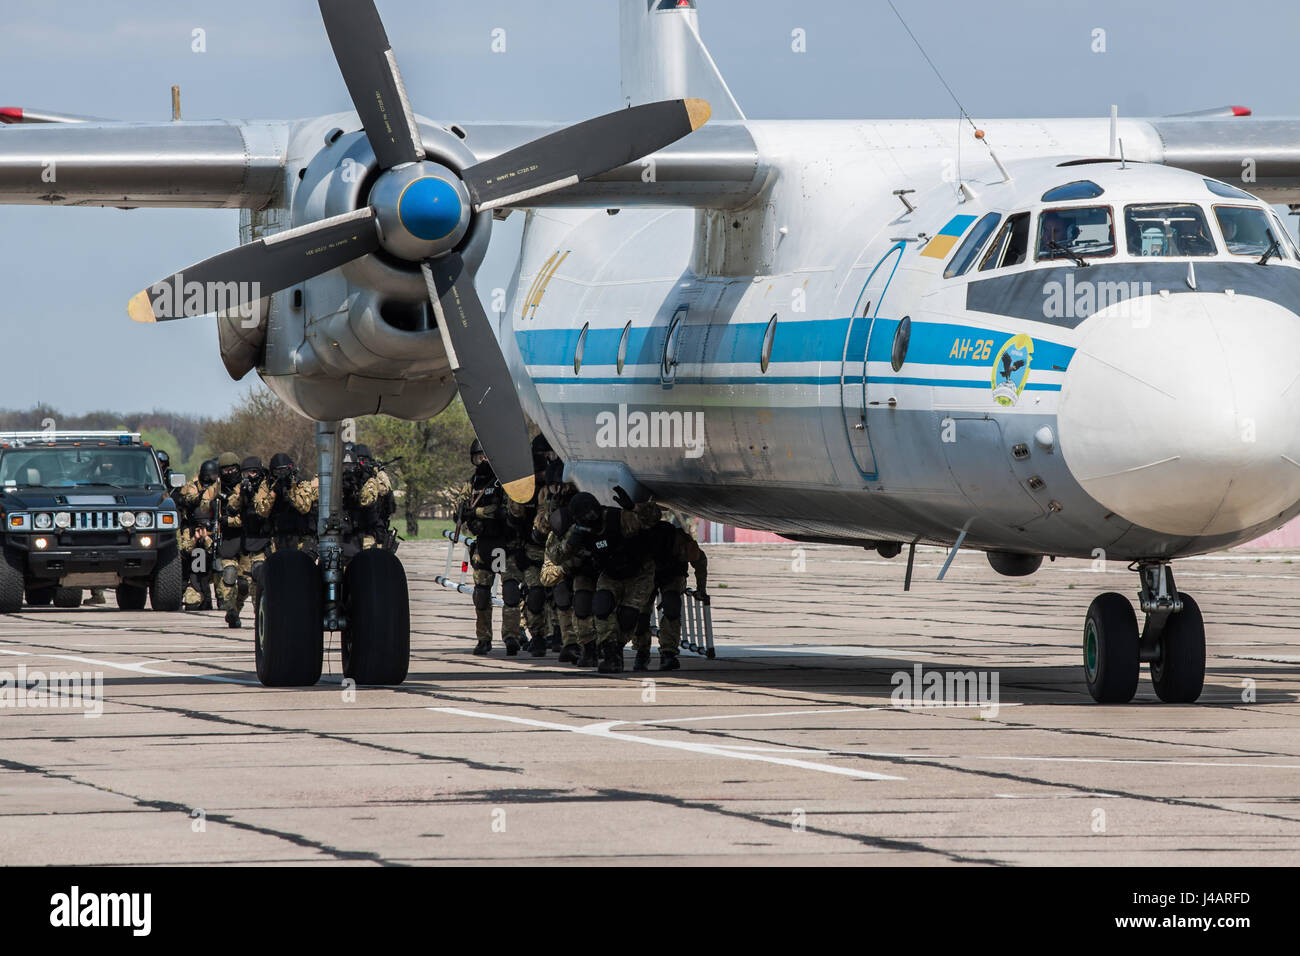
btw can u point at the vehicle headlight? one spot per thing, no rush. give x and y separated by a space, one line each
20 522
43 521
63 520
144 519
126 519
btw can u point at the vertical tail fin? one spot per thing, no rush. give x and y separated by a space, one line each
663 57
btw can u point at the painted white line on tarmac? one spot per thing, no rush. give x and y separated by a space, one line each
141 668
603 730
776 713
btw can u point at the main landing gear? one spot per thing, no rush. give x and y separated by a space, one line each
299 597
1172 641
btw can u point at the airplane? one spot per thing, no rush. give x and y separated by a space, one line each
1073 338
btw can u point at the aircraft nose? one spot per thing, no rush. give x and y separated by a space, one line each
1181 412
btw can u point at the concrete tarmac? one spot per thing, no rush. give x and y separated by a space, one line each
802 743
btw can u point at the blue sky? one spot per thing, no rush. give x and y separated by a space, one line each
68 273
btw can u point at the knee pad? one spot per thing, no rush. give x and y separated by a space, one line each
259 571
672 605
536 599
582 601
511 593
562 595
482 596
602 604
229 575
627 617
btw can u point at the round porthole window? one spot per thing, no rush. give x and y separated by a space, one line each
622 348
765 359
672 343
902 335
580 348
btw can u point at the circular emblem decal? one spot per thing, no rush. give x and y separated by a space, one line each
1011 369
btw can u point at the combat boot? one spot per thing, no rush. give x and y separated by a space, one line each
556 640
588 658
570 653
611 658
668 661
537 646
482 647
232 618
642 660
512 646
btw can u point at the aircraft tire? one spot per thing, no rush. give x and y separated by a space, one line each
67 597
165 587
1110 649
1179 675
288 638
130 597
376 647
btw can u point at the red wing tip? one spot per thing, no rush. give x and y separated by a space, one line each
11 114
1241 111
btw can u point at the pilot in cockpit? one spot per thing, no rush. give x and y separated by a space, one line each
1055 235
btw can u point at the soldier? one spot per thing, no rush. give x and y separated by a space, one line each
480 505
528 549
197 538
164 465
672 550
224 500
368 500
256 515
291 504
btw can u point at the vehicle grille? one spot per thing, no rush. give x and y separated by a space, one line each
94 521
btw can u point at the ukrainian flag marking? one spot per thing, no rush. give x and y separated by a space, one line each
942 244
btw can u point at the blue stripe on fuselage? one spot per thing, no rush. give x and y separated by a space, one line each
812 340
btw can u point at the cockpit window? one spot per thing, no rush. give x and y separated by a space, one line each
1076 233
1228 192
1011 245
971 247
1246 230
1080 189
1167 229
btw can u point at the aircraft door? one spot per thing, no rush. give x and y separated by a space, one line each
853 369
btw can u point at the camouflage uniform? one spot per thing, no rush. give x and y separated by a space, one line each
481 502
527 556
568 570
377 502
196 546
291 524
228 507
672 550
626 586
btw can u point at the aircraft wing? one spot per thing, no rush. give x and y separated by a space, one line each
213 165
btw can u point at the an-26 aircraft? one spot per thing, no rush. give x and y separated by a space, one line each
850 331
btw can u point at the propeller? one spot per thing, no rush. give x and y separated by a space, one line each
419 211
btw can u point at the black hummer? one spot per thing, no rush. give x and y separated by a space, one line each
86 510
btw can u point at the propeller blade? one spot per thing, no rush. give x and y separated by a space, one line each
256 269
579 152
481 374
365 59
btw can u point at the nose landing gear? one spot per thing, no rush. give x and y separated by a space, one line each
1172 641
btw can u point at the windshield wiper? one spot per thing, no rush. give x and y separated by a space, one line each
1272 248
1078 259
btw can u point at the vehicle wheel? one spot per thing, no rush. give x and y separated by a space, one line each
11 584
40 597
1110 649
67 597
377 643
287 634
130 597
166 587
1179 675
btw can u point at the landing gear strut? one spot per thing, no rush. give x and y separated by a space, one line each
365 600
1172 641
